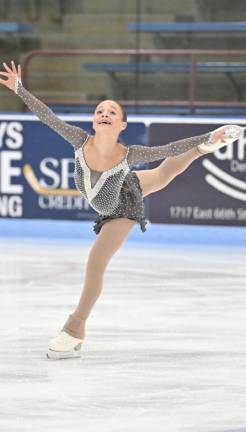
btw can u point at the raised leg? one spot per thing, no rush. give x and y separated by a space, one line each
109 240
158 178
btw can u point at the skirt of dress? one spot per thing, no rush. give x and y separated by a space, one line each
131 204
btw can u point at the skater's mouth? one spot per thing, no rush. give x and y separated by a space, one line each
106 122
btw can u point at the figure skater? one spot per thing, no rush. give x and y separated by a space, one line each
104 176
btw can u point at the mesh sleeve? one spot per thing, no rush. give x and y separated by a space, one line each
73 134
139 154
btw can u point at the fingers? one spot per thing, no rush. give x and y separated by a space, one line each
11 75
19 70
13 70
13 67
7 68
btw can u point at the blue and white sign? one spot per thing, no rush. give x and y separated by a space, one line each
212 191
36 169
36 173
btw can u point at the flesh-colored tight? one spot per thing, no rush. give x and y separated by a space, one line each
112 236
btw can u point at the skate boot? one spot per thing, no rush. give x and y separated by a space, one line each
64 346
231 134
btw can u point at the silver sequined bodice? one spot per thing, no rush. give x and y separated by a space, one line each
104 192
103 195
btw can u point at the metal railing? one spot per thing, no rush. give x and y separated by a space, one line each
192 55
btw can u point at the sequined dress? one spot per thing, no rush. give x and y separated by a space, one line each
116 192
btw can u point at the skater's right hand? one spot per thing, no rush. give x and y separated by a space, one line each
11 75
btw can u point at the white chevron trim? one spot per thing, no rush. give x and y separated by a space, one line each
93 191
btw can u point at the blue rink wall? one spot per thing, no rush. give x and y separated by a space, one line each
157 234
36 174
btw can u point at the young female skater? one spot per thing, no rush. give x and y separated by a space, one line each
104 177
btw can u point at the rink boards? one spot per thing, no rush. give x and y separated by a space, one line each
36 172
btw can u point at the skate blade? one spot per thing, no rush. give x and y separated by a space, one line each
57 355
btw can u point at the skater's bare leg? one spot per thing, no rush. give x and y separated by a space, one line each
113 234
158 178
109 240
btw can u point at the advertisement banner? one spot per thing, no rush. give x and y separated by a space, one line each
212 191
36 170
36 174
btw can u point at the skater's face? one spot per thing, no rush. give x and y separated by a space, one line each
109 116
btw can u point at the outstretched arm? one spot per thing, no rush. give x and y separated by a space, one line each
72 134
205 143
139 154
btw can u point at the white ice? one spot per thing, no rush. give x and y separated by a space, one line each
165 349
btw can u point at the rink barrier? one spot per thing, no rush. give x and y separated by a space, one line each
156 234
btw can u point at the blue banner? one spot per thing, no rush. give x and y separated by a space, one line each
36 173
36 170
212 191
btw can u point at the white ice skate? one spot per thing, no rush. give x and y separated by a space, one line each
231 134
64 346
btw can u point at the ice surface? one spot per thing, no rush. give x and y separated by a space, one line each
165 349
